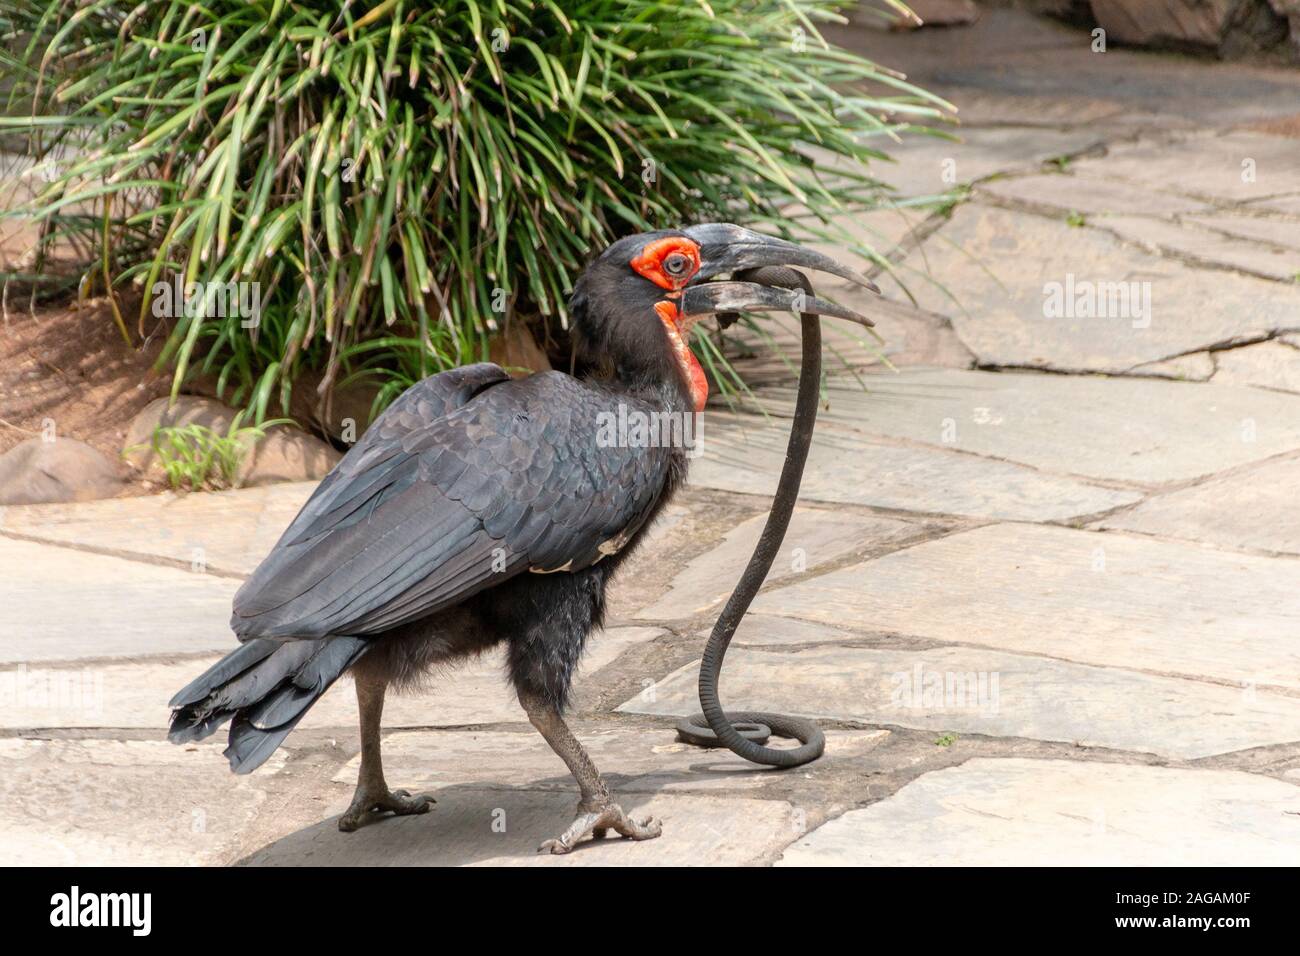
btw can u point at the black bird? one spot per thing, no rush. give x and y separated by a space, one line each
479 510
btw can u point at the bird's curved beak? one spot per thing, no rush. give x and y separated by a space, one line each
727 248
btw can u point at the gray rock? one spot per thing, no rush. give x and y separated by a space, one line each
125 802
1030 292
1271 231
1267 365
744 454
1225 167
1018 812
634 759
936 13
65 469
1062 193
62 604
929 165
134 693
973 690
813 539
1108 599
495 827
137 448
225 532
1197 367
283 454
1076 425
1171 22
1248 509
1208 246
288 454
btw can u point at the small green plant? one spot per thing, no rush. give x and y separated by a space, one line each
1062 163
1075 220
196 457
946 740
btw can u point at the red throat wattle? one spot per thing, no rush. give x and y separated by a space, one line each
686 360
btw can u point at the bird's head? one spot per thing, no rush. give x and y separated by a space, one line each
634 307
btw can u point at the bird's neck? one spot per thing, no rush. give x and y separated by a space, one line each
663 393
687 364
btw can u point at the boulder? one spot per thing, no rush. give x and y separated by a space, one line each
137 449
283 454
287 454
1232 28
1160 22
936 13
64 469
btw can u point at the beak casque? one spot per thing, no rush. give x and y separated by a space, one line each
729 248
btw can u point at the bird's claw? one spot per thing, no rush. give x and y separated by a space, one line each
398 802
597 822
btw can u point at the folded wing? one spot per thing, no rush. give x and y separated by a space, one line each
466 480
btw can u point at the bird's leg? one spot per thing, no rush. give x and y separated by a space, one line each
372 792
597 813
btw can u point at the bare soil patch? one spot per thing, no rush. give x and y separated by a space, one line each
68 365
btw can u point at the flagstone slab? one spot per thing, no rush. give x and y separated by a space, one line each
1108 599
1287 205
1226 167
813 539
1196 367
1013 67
631 760
225 531
1250 509
1208 246
63 604
1080 425
1273 231
504 828
1267 365
1023 291
692 524
135 694
123 802
744 453
1063 193
882 230
991 693
1019 812
907 336
930 166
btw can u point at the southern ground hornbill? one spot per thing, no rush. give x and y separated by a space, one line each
479 510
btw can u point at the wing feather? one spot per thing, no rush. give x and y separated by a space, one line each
437 503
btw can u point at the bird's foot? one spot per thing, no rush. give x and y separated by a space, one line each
369 799
597 819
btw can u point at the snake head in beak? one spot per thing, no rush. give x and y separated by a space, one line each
749 255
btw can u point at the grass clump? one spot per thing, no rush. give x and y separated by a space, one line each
401 180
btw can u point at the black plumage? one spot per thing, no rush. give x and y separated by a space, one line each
476 510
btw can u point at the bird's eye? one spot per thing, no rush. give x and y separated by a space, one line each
676 264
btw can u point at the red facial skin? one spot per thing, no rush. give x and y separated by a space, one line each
649 265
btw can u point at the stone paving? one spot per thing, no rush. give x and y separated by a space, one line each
1043 587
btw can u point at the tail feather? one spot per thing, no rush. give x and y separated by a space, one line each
229 667
264 687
